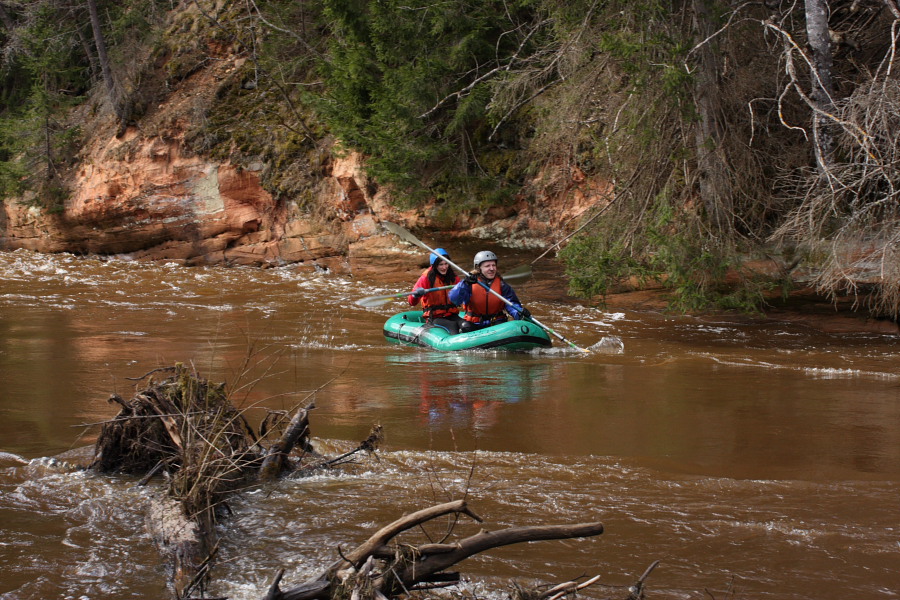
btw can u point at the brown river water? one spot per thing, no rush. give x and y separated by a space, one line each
752 459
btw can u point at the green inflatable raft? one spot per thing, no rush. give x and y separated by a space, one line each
410 328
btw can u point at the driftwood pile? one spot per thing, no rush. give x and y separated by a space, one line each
186 429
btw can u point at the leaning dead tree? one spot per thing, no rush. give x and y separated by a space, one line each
846 215
187 428
382 568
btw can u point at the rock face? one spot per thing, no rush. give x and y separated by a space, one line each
144 198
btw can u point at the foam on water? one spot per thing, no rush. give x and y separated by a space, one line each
817 372
297 523
609 345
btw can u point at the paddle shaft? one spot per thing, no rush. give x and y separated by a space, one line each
531 318
421 244
429 290
379 300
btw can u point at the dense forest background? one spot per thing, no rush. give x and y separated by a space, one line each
726 130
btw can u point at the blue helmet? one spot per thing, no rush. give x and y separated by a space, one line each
437 251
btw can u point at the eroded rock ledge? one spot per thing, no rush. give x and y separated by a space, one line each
144 198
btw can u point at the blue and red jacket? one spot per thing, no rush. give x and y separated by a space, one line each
480 305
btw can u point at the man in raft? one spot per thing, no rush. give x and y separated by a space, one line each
436 306
483 308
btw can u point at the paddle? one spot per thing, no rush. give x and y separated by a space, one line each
521 272
408 237
372 301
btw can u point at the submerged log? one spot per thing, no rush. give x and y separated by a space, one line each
297 434
179 537
187 428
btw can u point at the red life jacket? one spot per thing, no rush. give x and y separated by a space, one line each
436 304
483 305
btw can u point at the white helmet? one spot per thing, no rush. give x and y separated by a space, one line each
483 256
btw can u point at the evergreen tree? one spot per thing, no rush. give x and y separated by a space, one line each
47 66
408 84
44 73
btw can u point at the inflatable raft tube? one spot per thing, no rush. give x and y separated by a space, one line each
409 328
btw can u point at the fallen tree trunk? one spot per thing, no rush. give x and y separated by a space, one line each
178 536
277 457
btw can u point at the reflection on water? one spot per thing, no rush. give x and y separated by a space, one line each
468 390
730 448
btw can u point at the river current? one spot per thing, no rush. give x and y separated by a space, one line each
752 459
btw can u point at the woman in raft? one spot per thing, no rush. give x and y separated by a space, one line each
436 306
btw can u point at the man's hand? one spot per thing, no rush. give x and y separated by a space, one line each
520 311
471 278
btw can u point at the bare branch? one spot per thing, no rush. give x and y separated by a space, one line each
486 540
297 37
385 534
509 64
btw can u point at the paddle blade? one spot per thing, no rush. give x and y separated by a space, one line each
521 273
402 233
373 301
